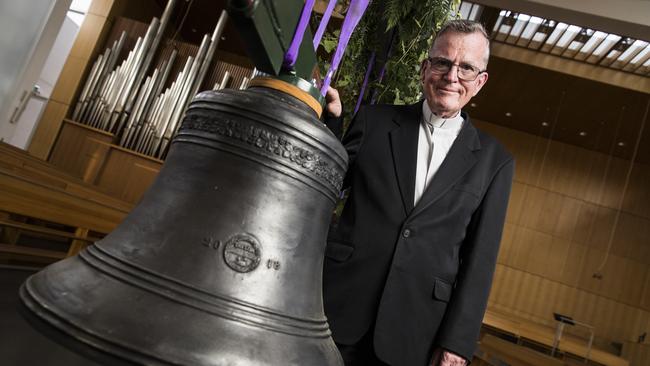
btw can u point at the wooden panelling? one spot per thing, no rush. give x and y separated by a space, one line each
100 7
88 154
89 36
68 80
637 353
47 130
80 150
516 202
632 234
563 225
127 175
637 199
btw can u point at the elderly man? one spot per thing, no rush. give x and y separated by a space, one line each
409 265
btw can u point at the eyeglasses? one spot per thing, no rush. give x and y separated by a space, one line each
441 65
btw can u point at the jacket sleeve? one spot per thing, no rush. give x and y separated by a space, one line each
335 124
461 324
353 138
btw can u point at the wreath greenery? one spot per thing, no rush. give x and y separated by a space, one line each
399 32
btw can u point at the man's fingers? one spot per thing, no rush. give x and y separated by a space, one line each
331 93
450 359
333 100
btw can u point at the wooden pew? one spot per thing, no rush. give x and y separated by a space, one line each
543 335
20 163
33 188
496 351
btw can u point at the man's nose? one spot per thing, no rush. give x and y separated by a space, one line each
452 75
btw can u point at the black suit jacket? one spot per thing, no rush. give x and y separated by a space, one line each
420 274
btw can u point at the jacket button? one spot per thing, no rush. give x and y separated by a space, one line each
406 233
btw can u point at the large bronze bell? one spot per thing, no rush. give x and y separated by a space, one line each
220 264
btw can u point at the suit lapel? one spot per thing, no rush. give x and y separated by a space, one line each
459 160
404 148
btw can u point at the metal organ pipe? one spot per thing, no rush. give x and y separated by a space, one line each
134 105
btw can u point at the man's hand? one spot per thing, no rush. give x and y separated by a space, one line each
443 357
333 107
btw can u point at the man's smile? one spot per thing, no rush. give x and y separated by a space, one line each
447 91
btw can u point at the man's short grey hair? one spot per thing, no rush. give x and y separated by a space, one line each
465 26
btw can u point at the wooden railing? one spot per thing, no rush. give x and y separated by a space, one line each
494 351
542 336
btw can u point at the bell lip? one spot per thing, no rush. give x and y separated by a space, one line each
45 307
101 346
75 339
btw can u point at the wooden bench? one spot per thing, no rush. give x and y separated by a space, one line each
496 351
35 189
542 335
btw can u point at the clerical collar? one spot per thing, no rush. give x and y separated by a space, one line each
439 122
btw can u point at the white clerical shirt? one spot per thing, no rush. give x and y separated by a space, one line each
434 141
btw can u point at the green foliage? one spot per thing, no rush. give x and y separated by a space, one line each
330 40
414 23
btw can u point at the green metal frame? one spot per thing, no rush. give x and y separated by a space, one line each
267 28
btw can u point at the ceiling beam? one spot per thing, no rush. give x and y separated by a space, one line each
576 68
626 18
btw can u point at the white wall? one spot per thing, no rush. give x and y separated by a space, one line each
26 124
28 29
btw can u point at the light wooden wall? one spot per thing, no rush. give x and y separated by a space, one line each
85 48
88 154
637 353
562 212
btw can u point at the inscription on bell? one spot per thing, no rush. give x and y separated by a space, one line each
211 243
242 253
273 264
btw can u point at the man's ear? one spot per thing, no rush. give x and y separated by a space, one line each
480 81
423 67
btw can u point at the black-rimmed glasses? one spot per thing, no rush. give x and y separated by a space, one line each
441 65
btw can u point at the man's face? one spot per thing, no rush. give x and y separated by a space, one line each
445 92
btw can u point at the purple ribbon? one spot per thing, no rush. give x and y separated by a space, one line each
323 23
292 53
355 12
365 82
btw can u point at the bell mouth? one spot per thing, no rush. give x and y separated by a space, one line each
294 86
83 302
